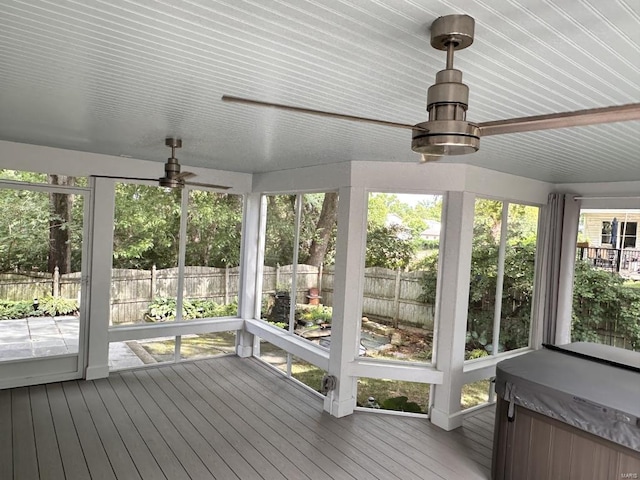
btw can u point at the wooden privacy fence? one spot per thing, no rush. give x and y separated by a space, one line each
25 286
30 285
133 290
390 295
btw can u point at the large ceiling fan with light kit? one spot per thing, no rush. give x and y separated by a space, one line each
173 177
447 132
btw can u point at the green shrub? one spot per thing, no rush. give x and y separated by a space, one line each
602 303
400 404
208 308
54 306
316 314
164 308
17 309
475 353
282 325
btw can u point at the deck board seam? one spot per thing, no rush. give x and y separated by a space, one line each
241 394
291 387
309 419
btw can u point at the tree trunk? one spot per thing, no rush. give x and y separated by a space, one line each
324 227
60 205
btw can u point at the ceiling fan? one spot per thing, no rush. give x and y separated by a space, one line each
173 177
448 132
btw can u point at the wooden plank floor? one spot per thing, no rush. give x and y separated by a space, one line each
223 418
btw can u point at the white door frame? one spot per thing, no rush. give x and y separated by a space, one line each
54 368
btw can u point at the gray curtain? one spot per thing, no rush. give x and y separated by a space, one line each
552 268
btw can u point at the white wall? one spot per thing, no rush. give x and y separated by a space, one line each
394 177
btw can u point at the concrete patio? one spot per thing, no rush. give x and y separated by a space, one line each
45 336
38 337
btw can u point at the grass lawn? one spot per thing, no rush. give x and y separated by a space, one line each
192 346
475 394
381 390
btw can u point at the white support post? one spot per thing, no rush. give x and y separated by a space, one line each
347 298
250 271
453 294
567 268
103 207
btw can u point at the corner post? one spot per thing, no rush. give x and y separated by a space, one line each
453 294
101 258
250 270
347 298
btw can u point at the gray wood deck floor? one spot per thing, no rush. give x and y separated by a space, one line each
223 418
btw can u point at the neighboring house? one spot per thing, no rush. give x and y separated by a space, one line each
392 220
610 228
432 232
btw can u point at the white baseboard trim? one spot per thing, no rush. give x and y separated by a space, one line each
445 421
96 371
338 408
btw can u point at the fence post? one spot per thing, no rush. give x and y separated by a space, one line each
56 282
319 283
396 300
277 276
226 284
154 279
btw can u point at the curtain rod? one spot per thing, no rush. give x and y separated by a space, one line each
588 197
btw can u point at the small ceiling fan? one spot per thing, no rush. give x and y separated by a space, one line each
173 177
448 132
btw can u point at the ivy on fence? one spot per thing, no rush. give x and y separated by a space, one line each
604 307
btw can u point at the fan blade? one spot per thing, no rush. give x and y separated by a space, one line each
183 175
125 178
208 185
593 116
320 113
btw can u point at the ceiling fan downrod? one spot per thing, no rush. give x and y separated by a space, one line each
447 132
171 177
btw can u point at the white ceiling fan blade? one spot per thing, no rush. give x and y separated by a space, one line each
593 116
320 113
208 185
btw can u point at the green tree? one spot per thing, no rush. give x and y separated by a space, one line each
146 227
317 229
388 247
39 231
519 270
323 236
280 230
214 228
24 230
60 210
396 245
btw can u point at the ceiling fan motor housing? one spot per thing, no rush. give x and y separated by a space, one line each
171 172
171 177
447 132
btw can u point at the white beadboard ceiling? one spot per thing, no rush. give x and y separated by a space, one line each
117 77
